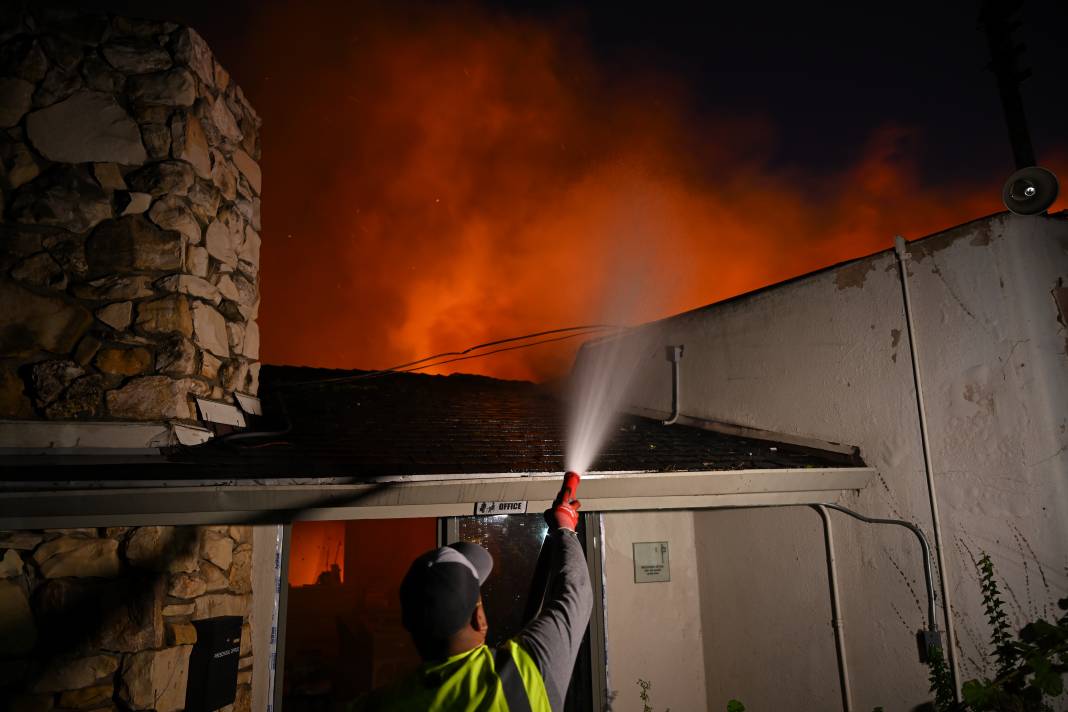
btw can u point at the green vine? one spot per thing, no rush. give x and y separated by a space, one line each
644 695
941 681
1030 668
1000 636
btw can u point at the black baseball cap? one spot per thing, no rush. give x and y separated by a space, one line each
440 590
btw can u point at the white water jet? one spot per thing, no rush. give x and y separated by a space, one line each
600 382
632 290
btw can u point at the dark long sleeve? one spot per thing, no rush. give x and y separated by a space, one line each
553 638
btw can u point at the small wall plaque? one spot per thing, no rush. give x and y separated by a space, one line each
651 562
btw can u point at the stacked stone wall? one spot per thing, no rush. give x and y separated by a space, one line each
102 619
129 232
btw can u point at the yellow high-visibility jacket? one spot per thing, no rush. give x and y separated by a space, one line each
467 682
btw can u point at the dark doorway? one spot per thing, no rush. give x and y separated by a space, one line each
343 626
343 632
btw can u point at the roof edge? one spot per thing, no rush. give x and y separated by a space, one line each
265 504
831 267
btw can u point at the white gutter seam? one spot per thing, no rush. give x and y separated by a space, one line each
836 611
604 608
951 638
273 654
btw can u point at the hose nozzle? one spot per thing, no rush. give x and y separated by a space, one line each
570 489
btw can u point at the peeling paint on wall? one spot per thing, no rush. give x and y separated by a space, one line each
981 232
982 236
1060 298
854 275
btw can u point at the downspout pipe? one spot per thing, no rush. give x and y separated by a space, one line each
674 354
836 610
932 494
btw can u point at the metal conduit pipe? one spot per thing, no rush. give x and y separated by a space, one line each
932 494
929 637
836 610
932 614
674 353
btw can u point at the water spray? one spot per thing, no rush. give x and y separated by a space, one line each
600 382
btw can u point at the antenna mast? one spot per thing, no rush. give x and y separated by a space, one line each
997 18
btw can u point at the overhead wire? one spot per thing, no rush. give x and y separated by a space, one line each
497 351
466 354
570 332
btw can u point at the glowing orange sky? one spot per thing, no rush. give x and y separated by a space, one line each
446 180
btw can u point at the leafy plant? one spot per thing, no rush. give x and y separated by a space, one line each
941 681
1030 668
1000 637
735 706
644 695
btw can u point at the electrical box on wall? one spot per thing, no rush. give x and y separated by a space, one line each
651 562
213 664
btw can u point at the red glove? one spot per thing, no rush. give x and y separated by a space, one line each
564 512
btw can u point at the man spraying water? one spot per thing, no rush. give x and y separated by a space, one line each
441 607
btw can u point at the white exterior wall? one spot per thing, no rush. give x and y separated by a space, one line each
789 614
827 356
652 632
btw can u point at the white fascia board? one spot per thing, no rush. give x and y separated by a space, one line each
49 436
174 503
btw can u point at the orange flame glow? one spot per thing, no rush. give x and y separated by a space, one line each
447 178
313 548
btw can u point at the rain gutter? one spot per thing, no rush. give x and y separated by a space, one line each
62 505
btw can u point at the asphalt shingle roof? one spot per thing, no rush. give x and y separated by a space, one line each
315 426
412 424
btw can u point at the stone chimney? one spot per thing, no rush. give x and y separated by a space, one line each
129 261
129 241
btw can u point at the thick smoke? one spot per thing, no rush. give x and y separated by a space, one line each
444 178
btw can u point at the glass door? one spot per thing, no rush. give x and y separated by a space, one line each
515 542
341 634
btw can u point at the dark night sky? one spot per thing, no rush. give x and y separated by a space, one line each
829 72
435 171
826 75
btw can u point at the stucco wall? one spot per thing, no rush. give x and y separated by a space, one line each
652 634
827 356
737 603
